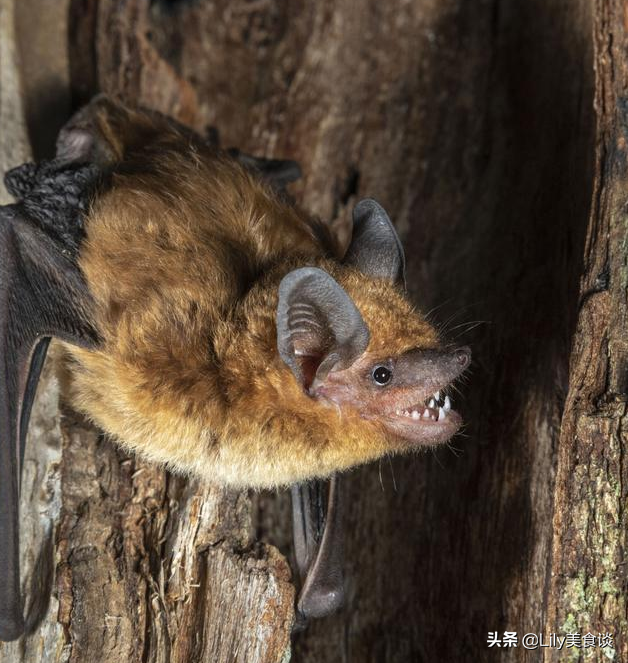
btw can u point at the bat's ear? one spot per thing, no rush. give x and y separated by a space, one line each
277 172
55 191
375 247
104 130
94 133
319 328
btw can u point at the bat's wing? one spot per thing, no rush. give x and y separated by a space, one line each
317 532
42 294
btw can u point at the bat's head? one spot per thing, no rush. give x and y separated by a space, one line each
361 373
362 349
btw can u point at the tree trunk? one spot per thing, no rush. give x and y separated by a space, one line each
493 133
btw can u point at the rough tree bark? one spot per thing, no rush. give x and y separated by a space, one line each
494 133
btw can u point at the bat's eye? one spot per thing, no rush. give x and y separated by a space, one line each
382 375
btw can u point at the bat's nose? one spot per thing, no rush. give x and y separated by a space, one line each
462 356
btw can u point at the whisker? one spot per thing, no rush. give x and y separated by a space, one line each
469 326
461 309
392 473
454 450
455 389
471 322
444 327
435 308
436 458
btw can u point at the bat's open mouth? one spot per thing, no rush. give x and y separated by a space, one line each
428 421
436 408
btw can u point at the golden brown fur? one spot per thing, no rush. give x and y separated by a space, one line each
183 256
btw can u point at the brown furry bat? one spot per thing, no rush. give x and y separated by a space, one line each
208 325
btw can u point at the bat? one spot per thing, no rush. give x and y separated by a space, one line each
210 326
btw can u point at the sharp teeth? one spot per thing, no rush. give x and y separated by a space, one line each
426 414
415 415
437 395
432 403
447 404
441 414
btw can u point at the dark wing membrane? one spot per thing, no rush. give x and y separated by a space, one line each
55 195
17 389
42 294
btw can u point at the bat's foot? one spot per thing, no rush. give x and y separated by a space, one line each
318 540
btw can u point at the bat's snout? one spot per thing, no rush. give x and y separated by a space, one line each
431 369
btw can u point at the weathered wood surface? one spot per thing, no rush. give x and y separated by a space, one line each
589 576
474 124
